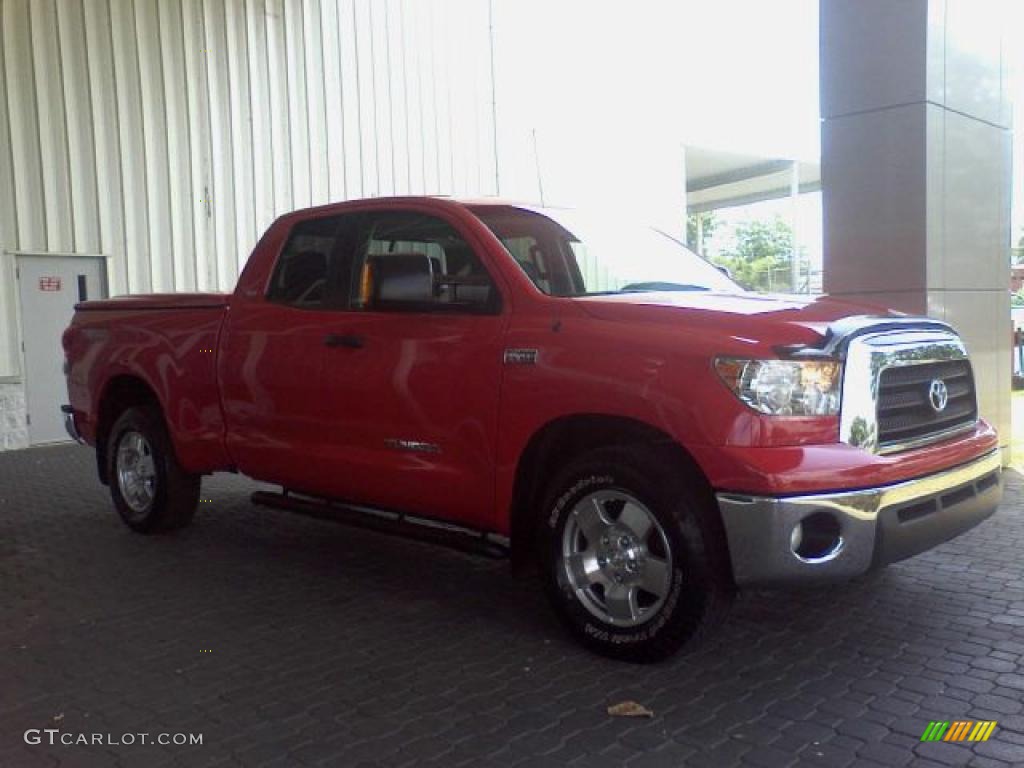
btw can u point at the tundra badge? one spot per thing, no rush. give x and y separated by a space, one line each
520 357
416 446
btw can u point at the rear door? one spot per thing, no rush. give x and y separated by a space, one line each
410 387
272 355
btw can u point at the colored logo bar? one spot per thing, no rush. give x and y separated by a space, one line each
958 730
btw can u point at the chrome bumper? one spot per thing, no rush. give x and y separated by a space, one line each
875 525
69 424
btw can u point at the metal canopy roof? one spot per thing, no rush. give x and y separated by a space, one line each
717 179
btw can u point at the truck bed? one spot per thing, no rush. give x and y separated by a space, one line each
157 301
161 346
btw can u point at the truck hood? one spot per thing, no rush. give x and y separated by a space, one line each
770 319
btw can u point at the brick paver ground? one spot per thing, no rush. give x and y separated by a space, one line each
329 646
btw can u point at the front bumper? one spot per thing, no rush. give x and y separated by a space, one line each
875 526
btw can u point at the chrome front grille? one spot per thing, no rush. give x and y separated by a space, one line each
888 400
905 408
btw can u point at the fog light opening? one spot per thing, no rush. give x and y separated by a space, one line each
816 538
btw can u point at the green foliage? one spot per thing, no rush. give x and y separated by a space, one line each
762 255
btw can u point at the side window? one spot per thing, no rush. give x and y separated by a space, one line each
544 250
418 263
528 254
308 261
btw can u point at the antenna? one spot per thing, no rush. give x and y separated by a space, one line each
536 162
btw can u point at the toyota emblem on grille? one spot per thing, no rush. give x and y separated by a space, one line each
938 395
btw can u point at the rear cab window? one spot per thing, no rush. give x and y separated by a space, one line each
310 261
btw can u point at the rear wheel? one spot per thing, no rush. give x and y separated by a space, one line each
151 491
635 566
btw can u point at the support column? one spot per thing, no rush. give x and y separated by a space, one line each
916 169
794 202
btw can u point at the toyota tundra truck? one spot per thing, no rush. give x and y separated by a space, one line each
582 395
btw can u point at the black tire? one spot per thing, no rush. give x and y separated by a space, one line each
697 594
173 493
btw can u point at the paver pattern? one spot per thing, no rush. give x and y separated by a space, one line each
288 641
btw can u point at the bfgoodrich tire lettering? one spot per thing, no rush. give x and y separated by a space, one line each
635 561
150 490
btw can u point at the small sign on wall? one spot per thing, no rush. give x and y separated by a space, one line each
49 283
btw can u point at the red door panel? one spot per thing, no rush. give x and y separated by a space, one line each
270 364
410 416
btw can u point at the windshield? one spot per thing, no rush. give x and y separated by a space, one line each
570 253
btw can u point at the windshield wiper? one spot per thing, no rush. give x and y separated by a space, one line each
659 286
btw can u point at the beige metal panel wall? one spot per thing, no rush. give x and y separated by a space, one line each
167 134
106 157
260 101
23 117
182 201
80 134
8 226
199 146
53 137
135 261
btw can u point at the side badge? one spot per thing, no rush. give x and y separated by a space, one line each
520 357
415 446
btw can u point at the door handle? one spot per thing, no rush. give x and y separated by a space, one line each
341 340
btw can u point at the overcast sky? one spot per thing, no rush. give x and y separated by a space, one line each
608 89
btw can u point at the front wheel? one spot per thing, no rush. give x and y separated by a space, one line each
635 565
151 491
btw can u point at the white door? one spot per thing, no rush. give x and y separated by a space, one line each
48 289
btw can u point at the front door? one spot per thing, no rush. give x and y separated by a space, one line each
48 289
411 384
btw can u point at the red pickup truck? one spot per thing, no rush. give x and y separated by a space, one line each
586 396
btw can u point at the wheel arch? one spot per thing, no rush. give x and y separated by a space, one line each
565 438
121 392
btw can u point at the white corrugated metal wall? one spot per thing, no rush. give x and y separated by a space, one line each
167 134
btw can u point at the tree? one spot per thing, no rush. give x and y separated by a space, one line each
762 255
707 229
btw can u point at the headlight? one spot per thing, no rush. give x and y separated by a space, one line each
783 387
